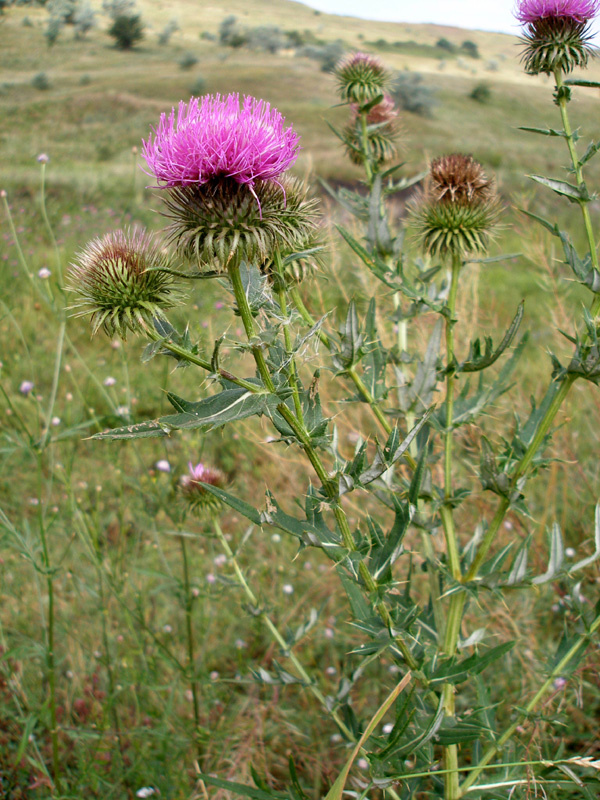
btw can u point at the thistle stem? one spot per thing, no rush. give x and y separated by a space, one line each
276 634
351 372
50 659
303 438
509 732
292 371
189 624
546 422
455 611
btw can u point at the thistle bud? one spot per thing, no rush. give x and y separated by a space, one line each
456 214
556 34
361 77
381 135
119 282
193 490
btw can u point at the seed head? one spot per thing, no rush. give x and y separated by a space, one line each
213 137
361 77
117 283
556 34
457 212
458 178
193 490
215 222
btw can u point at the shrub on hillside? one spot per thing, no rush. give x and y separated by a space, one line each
268 38
446 44
481 93
170 28
328 54
127 30
84 20
410 94
230 33
40 81
470 48
188 60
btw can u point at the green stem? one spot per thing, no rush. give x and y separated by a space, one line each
350 372
365 148
55 380
276 634
559 398
455 611
292 371
555 673
303 437
50 660
59 275
189 606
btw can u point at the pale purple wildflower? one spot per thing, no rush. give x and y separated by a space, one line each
213 137
26 387
163 465
110 381
44 273
581 11
43 158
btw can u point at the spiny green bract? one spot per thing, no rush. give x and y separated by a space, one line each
222 220
119 281
556 43
361 78
446 228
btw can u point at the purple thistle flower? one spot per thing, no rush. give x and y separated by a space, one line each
194 491
213 137
580 11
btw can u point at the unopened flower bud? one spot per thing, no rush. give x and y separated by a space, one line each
195 492
361 77
121 283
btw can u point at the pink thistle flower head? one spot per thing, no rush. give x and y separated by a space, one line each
214 136
580 11
193 489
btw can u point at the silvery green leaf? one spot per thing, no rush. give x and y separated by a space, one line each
557 556
575 194
585 562
543 131
518 568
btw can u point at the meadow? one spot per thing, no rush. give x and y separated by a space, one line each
92 534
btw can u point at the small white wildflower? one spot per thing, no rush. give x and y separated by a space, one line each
329 633
122 411
167 629
331 671
240 644
388 728
55 421
163 465
393 669
508 525
43 158
146 791
44 273
110 381
276 538
560 683
210 578
68 397
570 552
33 501
214 675
287 588
220 560
195 592
336 738
362 763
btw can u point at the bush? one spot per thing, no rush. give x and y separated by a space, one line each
166 33
328 54
84 20
126 30
40 81
53 29
208 36
230 33
198 87
410 94
470 48
481 93
268 38
445 44
187 61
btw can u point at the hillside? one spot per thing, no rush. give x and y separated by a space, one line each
100 101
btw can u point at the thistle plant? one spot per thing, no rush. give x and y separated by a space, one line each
234 213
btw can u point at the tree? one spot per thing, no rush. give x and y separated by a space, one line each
126 30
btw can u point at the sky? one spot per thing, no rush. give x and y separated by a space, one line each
488 15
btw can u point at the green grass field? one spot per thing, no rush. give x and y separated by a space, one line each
111 547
